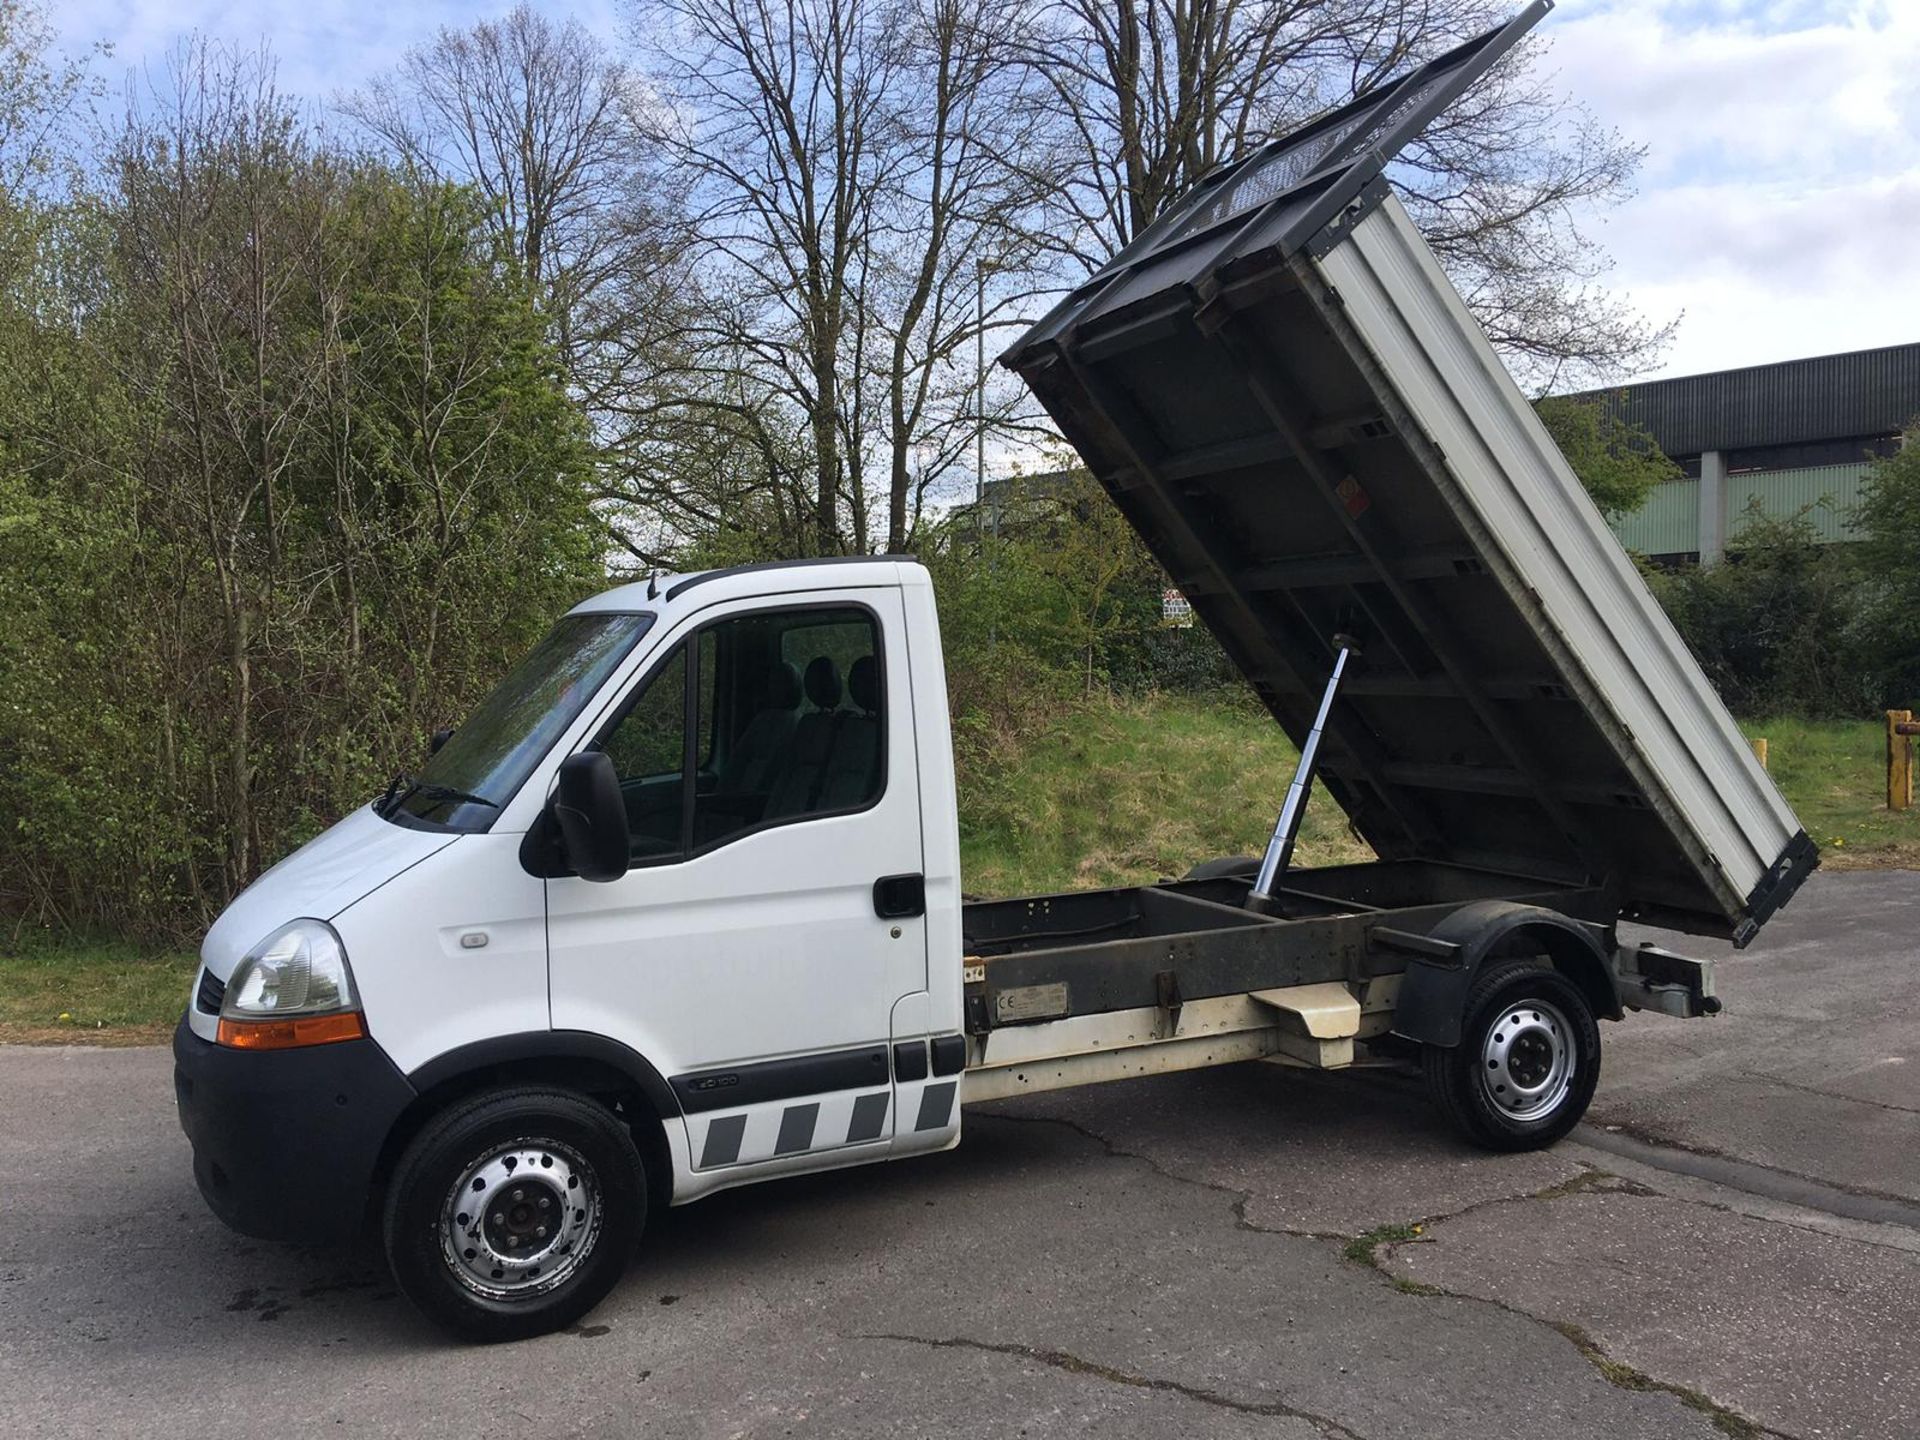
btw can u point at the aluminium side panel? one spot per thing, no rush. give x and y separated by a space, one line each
1401 318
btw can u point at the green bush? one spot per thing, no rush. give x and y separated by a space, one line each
245 583
1778 627
1888 518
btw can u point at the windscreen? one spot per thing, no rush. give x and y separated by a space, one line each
489 756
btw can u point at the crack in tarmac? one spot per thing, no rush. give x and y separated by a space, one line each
1594 1130
1591 1179
1113 1151
1076 1365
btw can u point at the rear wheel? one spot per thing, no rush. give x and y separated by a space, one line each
514 1213
1527 1062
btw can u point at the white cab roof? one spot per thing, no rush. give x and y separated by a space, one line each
662 593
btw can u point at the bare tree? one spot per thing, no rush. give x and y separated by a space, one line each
853 186
554 133
538 118
779 112
962 217
1143 97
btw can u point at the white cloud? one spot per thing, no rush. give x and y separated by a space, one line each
1781 193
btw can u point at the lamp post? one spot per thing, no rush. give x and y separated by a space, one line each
979 396
986 267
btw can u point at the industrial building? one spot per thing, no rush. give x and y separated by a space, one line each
1797 435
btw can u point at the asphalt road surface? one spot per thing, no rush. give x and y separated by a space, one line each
1730 1246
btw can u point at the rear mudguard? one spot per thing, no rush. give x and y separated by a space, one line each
1433 993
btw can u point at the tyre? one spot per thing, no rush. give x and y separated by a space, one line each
1217 869
1527 1062
512 1214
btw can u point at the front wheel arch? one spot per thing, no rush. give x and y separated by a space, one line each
590 1065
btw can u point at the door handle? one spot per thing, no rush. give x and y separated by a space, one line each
900 897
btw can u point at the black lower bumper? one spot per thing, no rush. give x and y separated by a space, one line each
285 1142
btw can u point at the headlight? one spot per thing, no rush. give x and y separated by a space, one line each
293 988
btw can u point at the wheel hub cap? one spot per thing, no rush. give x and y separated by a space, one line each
1527 1062
521 1219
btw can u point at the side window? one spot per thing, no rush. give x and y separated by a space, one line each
792 720
789 722
648 748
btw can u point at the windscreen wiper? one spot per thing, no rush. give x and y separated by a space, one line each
405 787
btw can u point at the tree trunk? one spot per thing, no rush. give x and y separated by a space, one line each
239 745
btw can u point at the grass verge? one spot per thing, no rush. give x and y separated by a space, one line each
89 992
1124 792
1834 774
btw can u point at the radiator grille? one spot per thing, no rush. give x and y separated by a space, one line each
212 991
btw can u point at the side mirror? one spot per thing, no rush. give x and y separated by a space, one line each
592 816
440 737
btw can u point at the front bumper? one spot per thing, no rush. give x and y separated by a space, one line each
285 1142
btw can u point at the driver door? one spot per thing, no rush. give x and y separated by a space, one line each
743 953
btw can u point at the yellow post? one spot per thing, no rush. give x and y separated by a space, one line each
1760 750
1900 732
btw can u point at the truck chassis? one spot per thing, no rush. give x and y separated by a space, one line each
1345 965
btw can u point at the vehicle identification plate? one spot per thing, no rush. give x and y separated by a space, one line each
1025 1004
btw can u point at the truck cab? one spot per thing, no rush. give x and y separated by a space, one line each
767 966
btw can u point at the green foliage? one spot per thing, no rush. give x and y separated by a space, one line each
1888 517
1618 462
284 486
1777 626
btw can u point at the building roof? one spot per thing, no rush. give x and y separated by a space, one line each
1824 397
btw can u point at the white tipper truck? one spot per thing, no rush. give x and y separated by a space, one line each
678 907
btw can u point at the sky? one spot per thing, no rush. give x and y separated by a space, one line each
1777 213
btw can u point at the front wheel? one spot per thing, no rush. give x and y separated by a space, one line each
514 1213
1527 1062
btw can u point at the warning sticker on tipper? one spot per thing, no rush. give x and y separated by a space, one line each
1352 496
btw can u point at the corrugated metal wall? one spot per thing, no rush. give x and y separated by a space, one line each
1668 524
1828 493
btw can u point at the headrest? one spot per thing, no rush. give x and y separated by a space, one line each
863 683
823 682
783 686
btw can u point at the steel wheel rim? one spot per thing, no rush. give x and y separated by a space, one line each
1527 1061
521 1220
